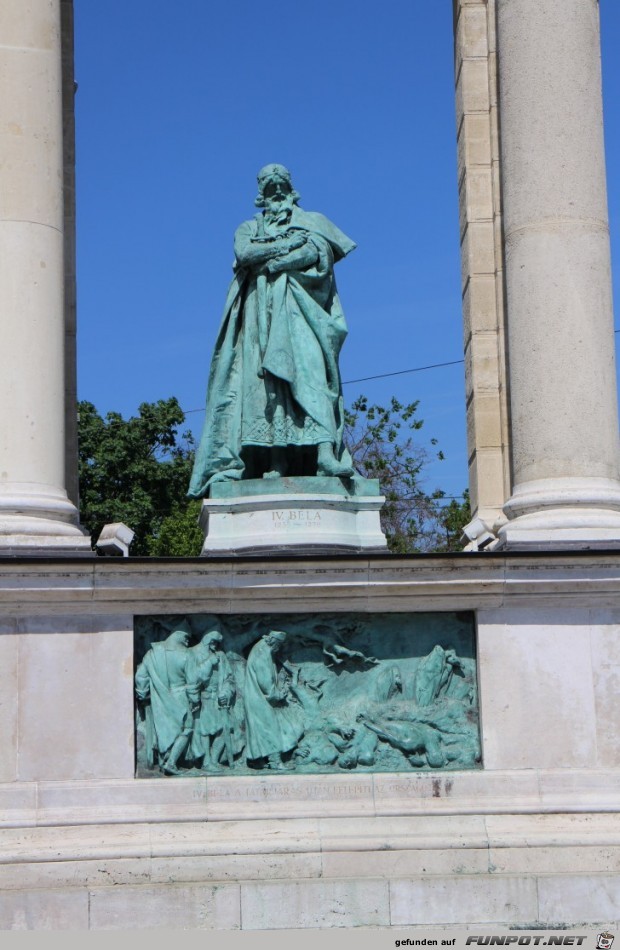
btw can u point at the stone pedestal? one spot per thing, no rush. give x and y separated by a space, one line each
530 840
36 516
318 515
564 417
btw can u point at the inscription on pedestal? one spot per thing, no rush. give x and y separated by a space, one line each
292 518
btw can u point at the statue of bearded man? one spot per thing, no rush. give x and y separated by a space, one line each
274 399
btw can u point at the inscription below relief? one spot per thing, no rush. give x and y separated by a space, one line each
328 791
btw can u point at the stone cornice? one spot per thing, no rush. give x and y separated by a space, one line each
378 583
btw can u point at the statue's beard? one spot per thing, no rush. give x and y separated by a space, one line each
279 210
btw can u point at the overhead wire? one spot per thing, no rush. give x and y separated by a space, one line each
365 379
399 372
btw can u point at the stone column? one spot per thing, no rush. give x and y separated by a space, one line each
68 117
36 516
482 259
564 417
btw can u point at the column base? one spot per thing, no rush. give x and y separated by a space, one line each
563 513
38 521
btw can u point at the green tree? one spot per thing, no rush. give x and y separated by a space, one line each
137 470
179 534
452 518
383 443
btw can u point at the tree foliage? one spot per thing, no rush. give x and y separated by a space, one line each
383 443
179 534
451 519
137 470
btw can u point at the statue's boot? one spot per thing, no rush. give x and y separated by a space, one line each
279 463
276 764
169 766
328 464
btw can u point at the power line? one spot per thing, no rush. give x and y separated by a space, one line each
365 379
401 372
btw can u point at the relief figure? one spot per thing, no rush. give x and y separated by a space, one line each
216 732
168 697
273 720
419 743
435 674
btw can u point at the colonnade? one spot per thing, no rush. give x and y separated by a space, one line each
560 336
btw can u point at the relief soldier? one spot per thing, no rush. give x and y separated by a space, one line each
163 685
215 735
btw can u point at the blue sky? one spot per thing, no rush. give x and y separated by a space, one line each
177 111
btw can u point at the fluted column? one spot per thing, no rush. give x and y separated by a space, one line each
35 514
564 416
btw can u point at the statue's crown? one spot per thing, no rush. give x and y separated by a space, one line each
274 171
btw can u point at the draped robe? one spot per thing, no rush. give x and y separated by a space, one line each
274 379
272 726
162 679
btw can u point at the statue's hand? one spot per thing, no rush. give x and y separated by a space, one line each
271 267
293 240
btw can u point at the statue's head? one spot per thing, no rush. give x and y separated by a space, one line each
212 640
212 636
181 634
389 682
275 187
275 639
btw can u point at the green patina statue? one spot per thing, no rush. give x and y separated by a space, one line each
273 724
306 694
216 728
274 398
167 695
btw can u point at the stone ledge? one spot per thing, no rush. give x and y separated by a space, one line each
362 797
428 850
110 842
362 582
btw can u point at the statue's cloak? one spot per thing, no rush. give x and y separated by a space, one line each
211 719
271 728
274 379
171 711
